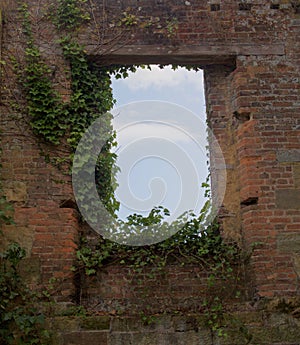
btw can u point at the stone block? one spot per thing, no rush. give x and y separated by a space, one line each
289 242
16 191
95 323
184 324
288 156
65 324
30 270
85 338
296 174
296 263
161 338
288 199
22 235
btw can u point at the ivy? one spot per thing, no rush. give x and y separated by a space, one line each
6 208
44 106
48 115
196 242
91 96
20 321
69 14
91 91
91 99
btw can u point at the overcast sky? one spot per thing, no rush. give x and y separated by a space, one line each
161 140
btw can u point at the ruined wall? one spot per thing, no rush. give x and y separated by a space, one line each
250 55
249 51
36 187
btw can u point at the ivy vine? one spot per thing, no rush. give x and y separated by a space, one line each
69 14
6 208
91 97
91 94
21 322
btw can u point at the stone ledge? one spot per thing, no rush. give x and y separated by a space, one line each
268 326
202 54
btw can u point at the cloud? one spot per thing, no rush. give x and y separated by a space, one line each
144 79
147 119
155 131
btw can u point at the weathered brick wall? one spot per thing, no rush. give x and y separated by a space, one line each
48 232
250 55
37 188
124 291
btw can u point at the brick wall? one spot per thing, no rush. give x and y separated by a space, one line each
250 55
124 291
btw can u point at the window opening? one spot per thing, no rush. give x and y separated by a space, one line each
162 159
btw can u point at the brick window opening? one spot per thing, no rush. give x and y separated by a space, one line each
165 85
215 7
244 7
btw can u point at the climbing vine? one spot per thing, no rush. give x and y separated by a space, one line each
69 14
6 208
91 97
196 243
21 322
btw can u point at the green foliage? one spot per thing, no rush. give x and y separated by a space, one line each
20 321
48 114
172 27
6 208
214 313
69 14
91 99
195 242
44 106
91 96
91 90
128 19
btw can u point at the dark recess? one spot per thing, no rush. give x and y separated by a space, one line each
215 7
245 7
250 201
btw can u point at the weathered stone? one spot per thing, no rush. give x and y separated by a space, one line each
296 175
20 234
30 270
16 191
95 323
85 338
134 324
263 328
288 242
196 54
161 338
288 156
184 324
65 324
296 263
288 199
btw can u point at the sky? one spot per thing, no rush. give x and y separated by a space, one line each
159 118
